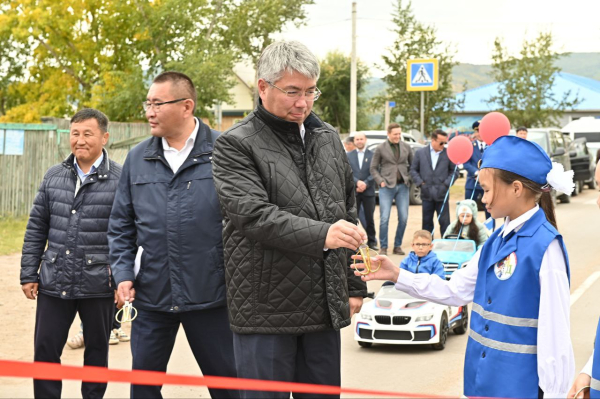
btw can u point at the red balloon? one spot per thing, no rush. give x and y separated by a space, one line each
492 126
460 149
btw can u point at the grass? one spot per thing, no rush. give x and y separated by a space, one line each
12 231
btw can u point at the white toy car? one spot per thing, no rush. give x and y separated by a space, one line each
394 317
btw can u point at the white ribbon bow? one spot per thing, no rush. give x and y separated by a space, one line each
560 179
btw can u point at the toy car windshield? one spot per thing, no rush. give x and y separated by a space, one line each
454 245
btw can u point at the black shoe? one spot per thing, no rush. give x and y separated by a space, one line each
373 246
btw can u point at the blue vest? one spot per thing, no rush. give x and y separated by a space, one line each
595 385
501 358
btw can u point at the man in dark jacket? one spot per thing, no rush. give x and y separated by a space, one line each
434 173
287 195
72 274
360 161
167 205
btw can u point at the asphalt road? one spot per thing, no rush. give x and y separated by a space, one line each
393 368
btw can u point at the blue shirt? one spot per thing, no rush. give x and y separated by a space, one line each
94 167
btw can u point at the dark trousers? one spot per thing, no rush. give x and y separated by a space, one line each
153 337
53 318
368 203
312 358
431 207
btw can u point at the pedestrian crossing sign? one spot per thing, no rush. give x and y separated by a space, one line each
422 75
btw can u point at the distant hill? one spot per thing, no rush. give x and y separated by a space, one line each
583 64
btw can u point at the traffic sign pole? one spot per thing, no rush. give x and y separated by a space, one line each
423 114
422 75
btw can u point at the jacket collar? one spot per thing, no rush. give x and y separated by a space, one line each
285 128
103 170
504 246
202 145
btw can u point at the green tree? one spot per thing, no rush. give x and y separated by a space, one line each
104 53
525 83
415 40
334 105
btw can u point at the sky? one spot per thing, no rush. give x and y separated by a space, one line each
469 26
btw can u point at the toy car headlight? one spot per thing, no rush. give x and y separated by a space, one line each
464 264
425 317
366 316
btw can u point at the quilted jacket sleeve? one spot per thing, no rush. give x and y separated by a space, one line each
245 202
36 236
122 233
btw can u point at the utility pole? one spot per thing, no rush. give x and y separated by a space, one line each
353 73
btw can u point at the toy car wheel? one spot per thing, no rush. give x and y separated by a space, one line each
365 344
464 323
592 184
443 333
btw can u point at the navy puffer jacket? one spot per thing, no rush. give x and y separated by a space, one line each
75 263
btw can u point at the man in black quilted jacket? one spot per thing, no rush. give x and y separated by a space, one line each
287 194
72 274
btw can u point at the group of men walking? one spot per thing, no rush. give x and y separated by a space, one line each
253 263
391 167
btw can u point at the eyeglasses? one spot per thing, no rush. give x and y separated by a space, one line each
310 94
421 245
156 106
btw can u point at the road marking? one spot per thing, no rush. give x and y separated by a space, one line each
583 287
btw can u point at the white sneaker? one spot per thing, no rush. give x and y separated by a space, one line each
122 335
113 340
76 341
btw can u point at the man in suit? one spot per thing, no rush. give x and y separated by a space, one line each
472 188
433 171
360 161
389 168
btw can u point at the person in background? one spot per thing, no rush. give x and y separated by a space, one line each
473 188
390 170
65 264
360 162
466 224
433 172
522 132
349 144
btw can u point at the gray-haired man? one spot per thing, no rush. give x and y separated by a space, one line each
287 194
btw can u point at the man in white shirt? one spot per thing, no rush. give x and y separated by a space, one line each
167 204
360 162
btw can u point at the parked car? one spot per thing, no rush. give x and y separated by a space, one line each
376 137
454 253
583 164
397 318
556 144
587 127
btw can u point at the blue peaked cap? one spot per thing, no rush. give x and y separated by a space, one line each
522 157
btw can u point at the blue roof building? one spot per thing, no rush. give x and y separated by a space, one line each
586 89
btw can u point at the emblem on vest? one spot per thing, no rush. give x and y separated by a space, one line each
506 267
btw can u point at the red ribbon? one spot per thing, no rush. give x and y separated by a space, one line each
55 371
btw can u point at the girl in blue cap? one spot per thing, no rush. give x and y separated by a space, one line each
519 342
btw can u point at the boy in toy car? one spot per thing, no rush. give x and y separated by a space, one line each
421 259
